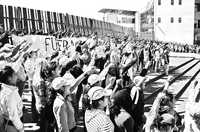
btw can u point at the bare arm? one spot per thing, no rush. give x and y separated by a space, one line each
90 70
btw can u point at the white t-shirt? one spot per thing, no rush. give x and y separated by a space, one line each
11 105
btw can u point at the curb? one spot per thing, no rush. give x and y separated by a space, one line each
178 95
174 79
170 71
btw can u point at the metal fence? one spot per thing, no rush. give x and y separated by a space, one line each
32 20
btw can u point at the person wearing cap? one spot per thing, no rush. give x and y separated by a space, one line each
162 116
137 97
41 85
11 103
96 119
166 123
158 121
156 59
62 107
95 80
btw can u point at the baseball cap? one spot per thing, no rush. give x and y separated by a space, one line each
138 80
94 78
59 82
97 92
167 119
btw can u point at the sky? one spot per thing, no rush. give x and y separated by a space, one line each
86 8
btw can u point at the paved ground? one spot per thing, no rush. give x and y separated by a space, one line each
176 60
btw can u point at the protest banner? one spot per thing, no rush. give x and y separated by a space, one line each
46 45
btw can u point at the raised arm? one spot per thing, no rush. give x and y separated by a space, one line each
153 112
89 71
131 63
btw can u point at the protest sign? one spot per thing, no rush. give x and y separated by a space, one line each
45 44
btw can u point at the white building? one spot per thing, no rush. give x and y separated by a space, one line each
125 18
197 21
174 20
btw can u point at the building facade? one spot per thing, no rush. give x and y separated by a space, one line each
197 22
29 20
147 23
173 21
126 19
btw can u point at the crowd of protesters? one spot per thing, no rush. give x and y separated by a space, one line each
103 79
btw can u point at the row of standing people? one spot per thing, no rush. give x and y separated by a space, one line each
60 83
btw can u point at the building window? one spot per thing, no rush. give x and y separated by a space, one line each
123 20
172 20
195 25
198 7
133 20
172 2
159 20
180 20
180 2
198 26
159 2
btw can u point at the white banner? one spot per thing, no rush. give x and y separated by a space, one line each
45 44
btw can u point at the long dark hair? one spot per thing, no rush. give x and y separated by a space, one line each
121 99
47 70
5 73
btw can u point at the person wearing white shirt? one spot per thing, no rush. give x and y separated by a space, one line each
96 119
62 107
157 59
30 67
10 102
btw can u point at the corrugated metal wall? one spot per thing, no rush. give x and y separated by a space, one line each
32 20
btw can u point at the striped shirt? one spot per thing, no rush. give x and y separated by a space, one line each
97 121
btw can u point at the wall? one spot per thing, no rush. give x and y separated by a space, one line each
137 22
176 32
147 23
22 18
197 17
